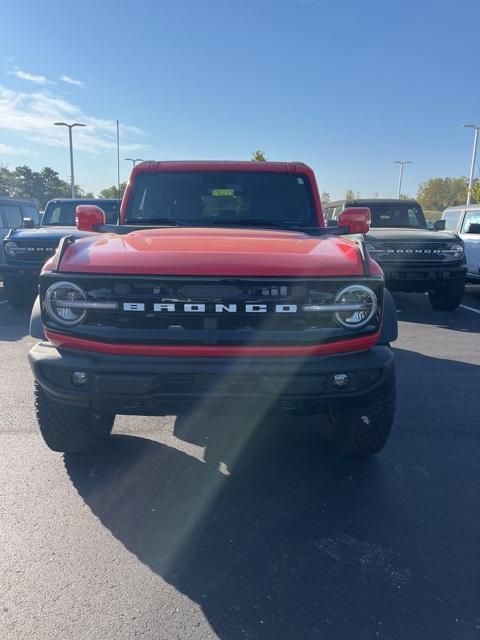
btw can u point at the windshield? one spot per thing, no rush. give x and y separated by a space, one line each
62 214
396 214
227 197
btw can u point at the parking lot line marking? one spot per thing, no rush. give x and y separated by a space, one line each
464 306
3 301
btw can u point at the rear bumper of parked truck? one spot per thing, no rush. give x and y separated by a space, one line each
163 385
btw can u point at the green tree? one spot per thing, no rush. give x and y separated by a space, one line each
437 194
325 197
476 191
113 192
351 195
6 181
259 156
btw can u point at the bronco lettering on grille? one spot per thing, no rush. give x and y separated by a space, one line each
201 307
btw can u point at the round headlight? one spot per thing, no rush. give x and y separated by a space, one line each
10 249
361 297
372 249
57 299
456 250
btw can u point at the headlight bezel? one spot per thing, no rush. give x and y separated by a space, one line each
10 248
349 289
454 248
50 304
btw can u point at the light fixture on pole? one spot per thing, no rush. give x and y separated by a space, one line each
133 160
402 163
70 127
474 158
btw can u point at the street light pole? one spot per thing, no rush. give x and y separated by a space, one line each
70 141
400 178
474 158
134 160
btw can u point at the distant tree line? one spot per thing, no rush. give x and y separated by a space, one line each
41 186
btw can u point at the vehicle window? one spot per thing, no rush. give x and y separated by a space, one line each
413 220
398 215
329 213
13 215
471 217
63 214
211 197
111 211
31 211
451 219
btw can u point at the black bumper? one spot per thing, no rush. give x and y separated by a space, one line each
420 277
24 271
163 385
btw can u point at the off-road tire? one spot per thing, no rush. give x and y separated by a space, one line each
449 298
20 294
70 429
363 429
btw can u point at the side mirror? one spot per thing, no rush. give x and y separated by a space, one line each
28 223
474 227
356 219
89 216
439 225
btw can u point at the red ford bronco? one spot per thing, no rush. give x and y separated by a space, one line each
221 282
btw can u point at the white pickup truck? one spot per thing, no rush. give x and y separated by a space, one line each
465 220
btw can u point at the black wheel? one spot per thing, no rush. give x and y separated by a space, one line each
20 294
449 298
70 429
363 430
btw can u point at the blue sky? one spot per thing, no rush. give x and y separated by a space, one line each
347 87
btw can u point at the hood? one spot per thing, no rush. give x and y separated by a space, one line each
45 234
214 252
380 234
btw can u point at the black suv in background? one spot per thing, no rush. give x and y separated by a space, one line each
26 250
413 258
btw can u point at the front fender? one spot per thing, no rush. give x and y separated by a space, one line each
389 331
36 324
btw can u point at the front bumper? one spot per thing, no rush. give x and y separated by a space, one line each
164 385
420 277
23 270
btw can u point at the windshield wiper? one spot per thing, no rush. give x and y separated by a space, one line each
171 222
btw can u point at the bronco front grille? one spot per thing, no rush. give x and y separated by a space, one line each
411 251
214 310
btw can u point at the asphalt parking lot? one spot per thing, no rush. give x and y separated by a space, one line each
223 526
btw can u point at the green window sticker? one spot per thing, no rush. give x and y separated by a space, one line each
222 193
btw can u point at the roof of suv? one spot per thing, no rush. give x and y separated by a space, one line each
84 200
361 201
9 200
463 207
217 165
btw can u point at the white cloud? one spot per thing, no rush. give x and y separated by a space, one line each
25 75
8 150
32 114
76 83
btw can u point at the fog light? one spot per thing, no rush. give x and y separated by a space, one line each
79 378
341 380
